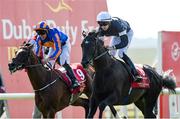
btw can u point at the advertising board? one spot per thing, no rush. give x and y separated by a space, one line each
170 57
17 18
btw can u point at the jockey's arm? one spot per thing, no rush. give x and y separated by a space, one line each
57 47
99 34
124 40
38 48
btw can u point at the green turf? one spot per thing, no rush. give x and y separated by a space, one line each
142 55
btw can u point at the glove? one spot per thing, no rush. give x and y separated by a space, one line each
111 48
45 60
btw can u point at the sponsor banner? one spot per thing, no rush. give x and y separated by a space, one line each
170 60
17 18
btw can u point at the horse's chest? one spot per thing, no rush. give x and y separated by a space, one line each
102 83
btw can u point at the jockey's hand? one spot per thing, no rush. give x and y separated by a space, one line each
110 47
45 60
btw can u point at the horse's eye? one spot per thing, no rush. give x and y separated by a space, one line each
15 52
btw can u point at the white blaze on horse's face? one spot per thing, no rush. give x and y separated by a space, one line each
20 50
86 42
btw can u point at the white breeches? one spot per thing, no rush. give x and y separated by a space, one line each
116 40
64 56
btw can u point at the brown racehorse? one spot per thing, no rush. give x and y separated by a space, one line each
51 92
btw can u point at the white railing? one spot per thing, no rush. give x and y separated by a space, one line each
14 96
9 96
166 91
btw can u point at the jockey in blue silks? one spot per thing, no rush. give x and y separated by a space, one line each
59 42
121 33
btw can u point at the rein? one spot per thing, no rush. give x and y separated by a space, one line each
39 64
97 57
100 55
44 87
40 89
33 65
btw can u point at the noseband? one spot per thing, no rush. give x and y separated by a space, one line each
37 62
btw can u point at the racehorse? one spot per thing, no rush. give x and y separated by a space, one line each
112 81
52 94
2 102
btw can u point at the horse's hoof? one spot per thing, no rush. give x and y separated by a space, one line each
124 117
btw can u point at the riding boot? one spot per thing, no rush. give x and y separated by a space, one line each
70 73
128 61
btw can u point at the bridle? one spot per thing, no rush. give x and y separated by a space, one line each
93 57
37 64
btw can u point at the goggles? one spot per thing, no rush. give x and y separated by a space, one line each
41 32
103 23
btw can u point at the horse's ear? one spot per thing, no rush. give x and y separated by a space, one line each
24 42
31 46
94 32
84 33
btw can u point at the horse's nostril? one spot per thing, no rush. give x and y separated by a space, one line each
11 65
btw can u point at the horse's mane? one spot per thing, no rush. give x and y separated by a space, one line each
93 33
25 44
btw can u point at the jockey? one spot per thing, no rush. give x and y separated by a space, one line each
121 33
52 37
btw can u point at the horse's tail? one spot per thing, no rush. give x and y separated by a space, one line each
168 81
165 80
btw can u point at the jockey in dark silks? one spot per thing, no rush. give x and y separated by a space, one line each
121 33
59 42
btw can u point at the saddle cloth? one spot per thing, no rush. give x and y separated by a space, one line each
144 83
79 73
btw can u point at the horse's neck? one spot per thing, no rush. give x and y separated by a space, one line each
37 76
103 62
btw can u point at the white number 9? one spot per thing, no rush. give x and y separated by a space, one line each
80 73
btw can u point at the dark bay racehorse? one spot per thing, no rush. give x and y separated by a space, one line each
2 102
112 81
51 92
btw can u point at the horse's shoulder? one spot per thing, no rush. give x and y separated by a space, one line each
120 62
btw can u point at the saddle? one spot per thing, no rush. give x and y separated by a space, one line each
144 83
80 74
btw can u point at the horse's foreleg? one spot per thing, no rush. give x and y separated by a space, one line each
51 114
1 107
36 113
93 107
44 115
114 112
84 103
102 106
109 101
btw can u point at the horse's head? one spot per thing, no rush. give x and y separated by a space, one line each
90 48
21 59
